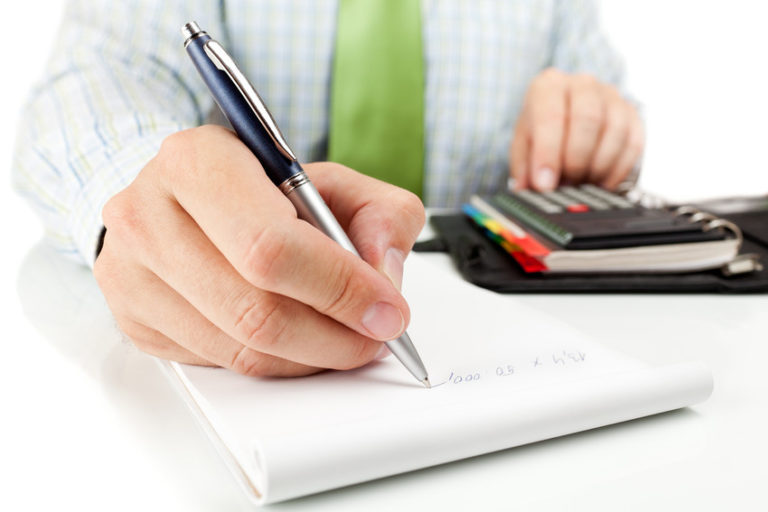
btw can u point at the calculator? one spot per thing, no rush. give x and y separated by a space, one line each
590 217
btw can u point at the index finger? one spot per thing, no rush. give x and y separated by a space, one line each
547 108
378 217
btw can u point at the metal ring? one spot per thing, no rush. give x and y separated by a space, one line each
686 210
703 217
722 223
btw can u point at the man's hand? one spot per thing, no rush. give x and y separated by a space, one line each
574 129
205 262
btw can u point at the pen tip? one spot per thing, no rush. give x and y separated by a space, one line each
426 383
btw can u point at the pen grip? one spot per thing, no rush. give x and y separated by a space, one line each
240 115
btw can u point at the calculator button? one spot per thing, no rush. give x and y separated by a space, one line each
609 197
578 208
559 198
539 201
594 202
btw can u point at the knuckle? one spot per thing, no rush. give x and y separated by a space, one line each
261 251
208 130
413 208
188 157
584 80
336 167
550 75
114 210
173 149
260 322
326 175
588 114
178 153
611 91
251 363
617 122
548 117
121 214
175 144
330 168
339 296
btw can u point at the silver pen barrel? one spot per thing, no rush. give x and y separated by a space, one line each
311 207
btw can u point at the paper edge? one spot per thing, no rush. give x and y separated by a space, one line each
181 384
699 388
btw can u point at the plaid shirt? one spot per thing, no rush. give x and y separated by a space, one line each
118 82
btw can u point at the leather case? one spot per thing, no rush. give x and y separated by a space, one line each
482 262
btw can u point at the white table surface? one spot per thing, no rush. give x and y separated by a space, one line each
91 423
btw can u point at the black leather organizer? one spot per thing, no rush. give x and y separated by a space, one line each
484 263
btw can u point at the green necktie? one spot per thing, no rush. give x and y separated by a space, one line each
377 91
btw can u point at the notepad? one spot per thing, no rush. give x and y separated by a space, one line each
504 375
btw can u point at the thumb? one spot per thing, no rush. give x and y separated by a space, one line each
385 229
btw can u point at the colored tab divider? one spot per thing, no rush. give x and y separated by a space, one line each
525 250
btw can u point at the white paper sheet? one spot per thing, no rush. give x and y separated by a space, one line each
505 375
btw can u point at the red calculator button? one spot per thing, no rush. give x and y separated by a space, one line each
577 208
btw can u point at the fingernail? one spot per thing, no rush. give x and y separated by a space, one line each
545 179
384 321
382 353
393 266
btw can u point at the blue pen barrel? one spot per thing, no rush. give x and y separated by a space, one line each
240 115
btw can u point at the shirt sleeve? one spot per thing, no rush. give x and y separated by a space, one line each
580 46
116 84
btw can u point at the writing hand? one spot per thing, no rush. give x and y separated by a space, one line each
576 129
205 262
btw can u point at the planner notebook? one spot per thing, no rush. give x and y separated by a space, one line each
504 375
588 229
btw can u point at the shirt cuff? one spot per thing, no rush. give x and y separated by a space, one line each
116 173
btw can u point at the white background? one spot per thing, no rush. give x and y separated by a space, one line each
698 67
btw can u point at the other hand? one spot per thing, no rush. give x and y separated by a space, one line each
574 129
205 262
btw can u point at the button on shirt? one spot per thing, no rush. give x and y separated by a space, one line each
118 82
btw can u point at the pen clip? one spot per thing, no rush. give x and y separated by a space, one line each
225 63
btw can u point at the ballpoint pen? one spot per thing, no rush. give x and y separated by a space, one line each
256 128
